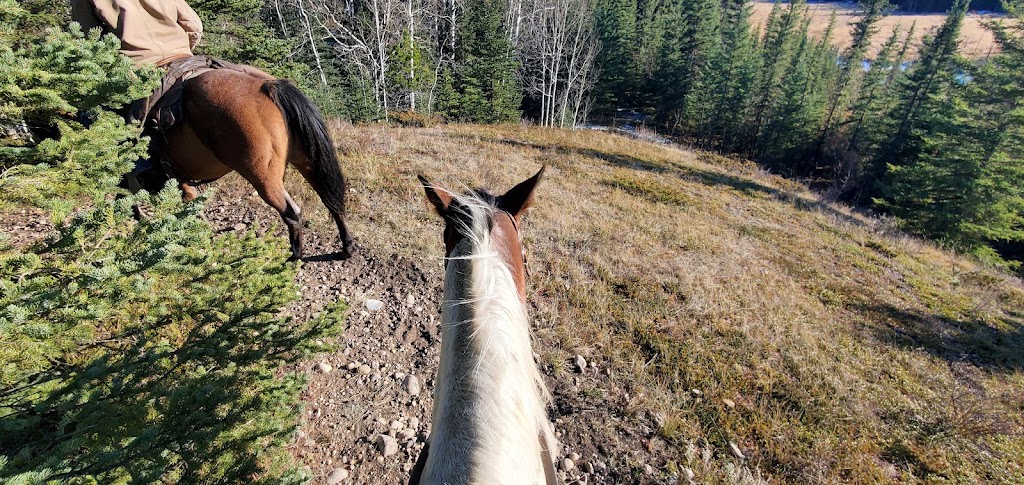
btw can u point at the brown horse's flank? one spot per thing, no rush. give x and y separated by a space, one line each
255 125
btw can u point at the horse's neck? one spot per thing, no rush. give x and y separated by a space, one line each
489 406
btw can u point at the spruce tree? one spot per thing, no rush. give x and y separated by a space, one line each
876 130
871 11
965 187
777 47
616 27
870 99
486 74
720 113
130 350
691 41
925 87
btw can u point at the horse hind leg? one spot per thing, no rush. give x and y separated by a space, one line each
277 197
337 213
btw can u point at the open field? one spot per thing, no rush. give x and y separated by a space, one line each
718 306
975 40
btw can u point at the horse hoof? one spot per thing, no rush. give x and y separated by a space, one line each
346 251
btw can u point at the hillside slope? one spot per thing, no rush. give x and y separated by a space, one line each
717 305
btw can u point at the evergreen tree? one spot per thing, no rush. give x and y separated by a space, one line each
130 350
235 31
924 88
798 114
965 187
870 101
871 11
777 48
720 112
410 70
619 77
690 45
485 79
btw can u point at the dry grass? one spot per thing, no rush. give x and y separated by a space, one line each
975 40
851 352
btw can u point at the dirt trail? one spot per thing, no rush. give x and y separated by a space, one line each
363 390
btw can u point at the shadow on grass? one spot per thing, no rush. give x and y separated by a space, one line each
685 172
974 342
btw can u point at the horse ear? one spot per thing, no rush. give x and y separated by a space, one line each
439 198
518 198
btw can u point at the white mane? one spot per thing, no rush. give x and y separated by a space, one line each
490 400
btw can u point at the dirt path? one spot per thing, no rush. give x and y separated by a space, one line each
363 392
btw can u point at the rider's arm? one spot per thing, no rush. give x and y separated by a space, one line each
83 12
189 20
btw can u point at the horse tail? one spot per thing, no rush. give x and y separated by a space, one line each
307 124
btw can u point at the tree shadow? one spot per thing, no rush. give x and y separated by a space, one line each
685 172
193 394
971 341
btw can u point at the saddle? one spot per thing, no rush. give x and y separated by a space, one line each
163 109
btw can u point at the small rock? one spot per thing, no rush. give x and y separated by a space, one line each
735 450
567 464
648 469
397 425
352 366
238 227
407 467
412 385
410 300
589 467
363 369
729 403
374 305
687 473
324 367
386 445
337 476
574 456
696 392
310 443
414 422
581 363
407 434
400 375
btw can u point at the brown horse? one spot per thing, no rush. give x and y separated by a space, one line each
254 124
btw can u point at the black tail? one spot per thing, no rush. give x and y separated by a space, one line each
307 124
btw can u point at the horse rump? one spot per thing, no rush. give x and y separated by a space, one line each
306 124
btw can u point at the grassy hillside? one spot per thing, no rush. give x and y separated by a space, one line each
723 306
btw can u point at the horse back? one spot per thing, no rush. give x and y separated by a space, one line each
229 124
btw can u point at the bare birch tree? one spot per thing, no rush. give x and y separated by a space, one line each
557 49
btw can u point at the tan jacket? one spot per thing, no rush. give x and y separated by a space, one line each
151 31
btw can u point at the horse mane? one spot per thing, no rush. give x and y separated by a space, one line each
485 325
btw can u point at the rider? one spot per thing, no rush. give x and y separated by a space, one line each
155 32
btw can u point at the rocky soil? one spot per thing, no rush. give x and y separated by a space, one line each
368 405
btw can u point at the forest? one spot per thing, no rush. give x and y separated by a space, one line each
916 132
